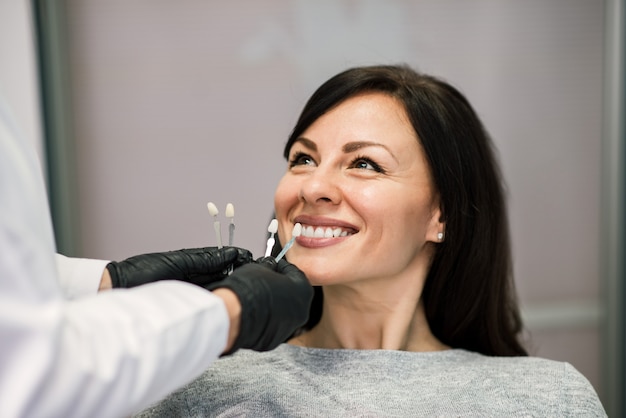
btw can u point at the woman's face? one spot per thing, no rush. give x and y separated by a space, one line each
359 184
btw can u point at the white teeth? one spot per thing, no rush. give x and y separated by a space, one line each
321 232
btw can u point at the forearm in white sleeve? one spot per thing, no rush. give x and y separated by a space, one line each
105 355
138 345
79 276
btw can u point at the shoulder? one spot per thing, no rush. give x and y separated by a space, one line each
541 381
526 370
532 367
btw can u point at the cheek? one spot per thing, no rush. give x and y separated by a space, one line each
285 198
367 200
402 218
416 220
379 205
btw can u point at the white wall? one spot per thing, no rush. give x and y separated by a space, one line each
179 103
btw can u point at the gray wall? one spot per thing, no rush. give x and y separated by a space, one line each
181 103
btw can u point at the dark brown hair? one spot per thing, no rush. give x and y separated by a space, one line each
469 295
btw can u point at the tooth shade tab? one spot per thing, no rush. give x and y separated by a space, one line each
212 209
295 232
273 226
230 211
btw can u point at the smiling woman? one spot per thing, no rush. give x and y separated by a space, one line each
405 234
373 190
428 205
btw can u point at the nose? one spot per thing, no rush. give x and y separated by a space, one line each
320 187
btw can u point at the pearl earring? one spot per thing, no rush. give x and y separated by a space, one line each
440 236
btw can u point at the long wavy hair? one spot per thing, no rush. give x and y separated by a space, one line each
469 295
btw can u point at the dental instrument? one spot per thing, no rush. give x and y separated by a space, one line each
272 229
216 224
297 230
230 213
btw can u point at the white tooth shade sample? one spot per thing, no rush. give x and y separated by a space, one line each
230 211
212 209
216 224
272 229
273 226
297 230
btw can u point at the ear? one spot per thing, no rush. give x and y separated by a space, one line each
437 227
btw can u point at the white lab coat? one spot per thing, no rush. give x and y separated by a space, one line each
66 351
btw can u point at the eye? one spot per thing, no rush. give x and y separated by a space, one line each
364 163
300 158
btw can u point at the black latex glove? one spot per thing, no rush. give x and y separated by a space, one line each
275 301
200 266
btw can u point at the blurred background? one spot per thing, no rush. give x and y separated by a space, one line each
145 110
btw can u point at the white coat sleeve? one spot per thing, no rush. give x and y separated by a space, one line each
105 355
79 276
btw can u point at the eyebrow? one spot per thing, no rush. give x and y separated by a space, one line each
355 146
347 148
307 143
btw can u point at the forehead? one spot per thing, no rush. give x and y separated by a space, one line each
369 117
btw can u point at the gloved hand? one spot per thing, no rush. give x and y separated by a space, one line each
275 300
200 266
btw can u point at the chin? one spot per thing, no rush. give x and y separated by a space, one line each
320 269
320 275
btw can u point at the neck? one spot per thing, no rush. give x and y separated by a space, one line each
356 319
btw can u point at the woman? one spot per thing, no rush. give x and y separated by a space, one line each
405 233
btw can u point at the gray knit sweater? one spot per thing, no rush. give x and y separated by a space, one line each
305 382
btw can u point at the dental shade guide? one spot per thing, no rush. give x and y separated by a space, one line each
230 213
297 230
216 224
272 229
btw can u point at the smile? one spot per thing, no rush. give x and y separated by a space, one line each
324 232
